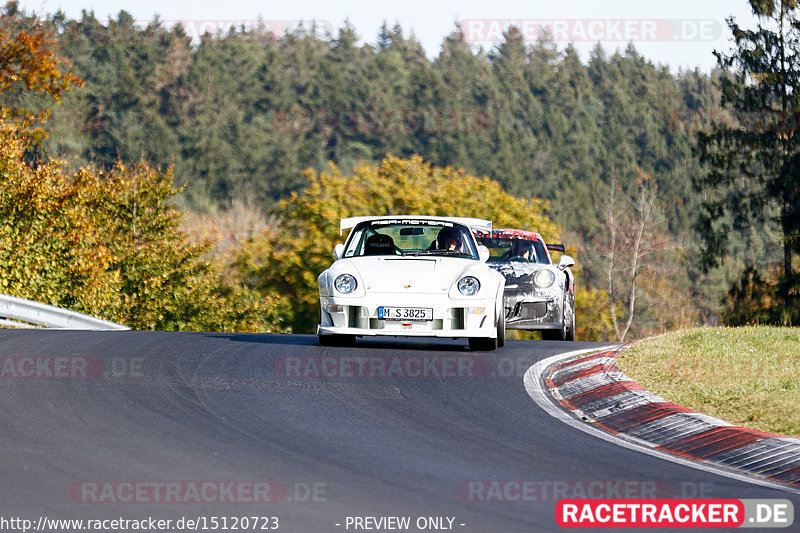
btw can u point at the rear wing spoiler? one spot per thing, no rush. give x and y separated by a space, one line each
556 248
472 223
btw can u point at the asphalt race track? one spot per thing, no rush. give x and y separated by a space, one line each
131 425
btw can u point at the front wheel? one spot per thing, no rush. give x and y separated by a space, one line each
565 333
571 328
501 328
482 344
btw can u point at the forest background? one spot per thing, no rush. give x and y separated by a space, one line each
198 185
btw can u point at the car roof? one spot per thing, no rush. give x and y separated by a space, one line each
473 223
522 235
513 234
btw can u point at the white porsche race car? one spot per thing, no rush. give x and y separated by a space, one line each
412 276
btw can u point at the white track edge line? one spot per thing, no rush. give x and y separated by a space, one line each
535 389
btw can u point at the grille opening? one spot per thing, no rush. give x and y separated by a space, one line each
532 310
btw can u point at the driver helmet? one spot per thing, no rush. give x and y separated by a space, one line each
523 248
448 239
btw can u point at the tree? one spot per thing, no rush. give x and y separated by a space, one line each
753 157
629 246
28 61
109 244
49 250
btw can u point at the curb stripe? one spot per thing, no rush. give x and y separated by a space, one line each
585 372
566 364
764 453
670 429
649 412
707 444
791 476
556 374
599 393
575 388
629 399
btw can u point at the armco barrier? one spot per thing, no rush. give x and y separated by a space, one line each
28 312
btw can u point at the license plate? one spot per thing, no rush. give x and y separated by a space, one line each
405 313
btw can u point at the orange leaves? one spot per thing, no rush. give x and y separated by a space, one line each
28 58
28 62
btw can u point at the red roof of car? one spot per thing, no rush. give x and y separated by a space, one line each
520 234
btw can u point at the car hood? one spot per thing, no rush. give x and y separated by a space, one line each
410 274
519 269
519 275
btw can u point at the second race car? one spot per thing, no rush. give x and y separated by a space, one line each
539 295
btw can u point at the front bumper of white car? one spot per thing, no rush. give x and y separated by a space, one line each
451 318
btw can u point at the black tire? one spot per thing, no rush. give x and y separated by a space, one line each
337 340
482 344
559 334
501 328
571 328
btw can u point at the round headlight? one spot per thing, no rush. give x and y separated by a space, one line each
469 286
345 283
544 278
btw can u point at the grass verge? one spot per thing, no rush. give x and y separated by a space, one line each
748 376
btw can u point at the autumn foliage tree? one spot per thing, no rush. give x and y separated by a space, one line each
48 249
28 62
103 242
108 243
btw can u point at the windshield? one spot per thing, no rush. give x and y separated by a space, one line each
410 237
505 250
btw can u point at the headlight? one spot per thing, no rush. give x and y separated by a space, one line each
345 283
469 286
544 278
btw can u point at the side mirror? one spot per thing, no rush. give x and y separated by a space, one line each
566 261
483 253
338 251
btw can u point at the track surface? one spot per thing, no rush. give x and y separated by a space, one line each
194 407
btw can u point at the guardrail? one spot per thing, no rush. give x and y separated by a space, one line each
19 312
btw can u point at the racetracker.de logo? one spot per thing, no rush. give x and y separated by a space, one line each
45 367
569 30
679 513
355 367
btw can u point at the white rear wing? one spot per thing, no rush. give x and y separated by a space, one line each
472 223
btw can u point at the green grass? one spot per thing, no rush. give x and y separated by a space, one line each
748 376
